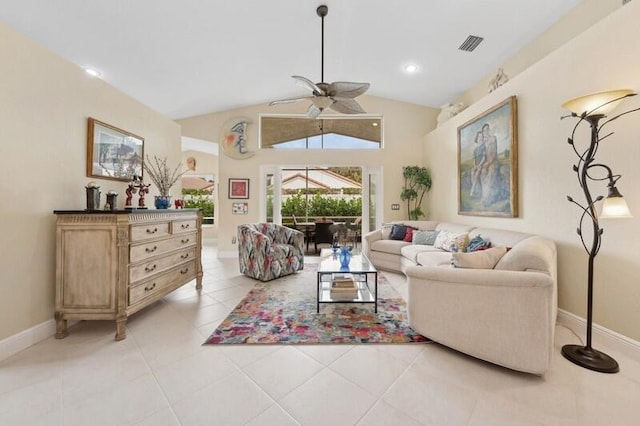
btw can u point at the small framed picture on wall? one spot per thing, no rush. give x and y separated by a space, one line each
240 208
238 188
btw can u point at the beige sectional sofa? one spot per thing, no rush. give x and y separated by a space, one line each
505 315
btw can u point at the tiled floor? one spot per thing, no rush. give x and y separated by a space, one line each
162 375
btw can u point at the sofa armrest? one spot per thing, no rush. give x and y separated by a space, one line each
368 239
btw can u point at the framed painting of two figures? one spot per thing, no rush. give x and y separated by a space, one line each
488 162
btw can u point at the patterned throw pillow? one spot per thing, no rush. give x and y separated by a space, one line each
386 231
398 232
483 259
425 238
478 243
449 241
408 237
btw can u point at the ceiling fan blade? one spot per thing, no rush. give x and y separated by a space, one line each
313 111
308 84
347 89
290 100
346 106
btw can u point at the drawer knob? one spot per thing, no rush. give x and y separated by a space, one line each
184 256
184 241
151 250
184 225
151 287
184 271
152 231
149 269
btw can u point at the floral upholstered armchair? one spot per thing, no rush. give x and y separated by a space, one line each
268 250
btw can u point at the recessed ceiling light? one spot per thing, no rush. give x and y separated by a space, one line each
374 124
410 68
92 71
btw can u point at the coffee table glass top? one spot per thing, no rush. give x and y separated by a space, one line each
330 262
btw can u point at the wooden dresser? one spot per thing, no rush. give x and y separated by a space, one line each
112 264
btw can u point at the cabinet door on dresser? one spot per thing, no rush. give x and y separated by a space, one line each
87 266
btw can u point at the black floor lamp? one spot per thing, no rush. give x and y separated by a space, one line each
593 109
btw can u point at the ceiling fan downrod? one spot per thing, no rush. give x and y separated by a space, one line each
322 12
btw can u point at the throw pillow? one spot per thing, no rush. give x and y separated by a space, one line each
408 237
482 259
449 241
478 243
386 231
398 232
426 238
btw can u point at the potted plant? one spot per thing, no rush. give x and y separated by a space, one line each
163 177
417 182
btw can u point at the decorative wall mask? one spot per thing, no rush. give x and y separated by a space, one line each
233 138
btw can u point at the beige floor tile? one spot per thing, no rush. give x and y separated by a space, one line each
369 367
125 404
431 400
182 378
328 399
383 414
281 371
164 417
36 404
273 416
325 354
234 400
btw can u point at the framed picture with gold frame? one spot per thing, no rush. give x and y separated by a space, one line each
488 163
113 153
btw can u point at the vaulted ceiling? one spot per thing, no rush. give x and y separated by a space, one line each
190 57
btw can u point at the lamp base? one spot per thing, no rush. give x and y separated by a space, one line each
590 358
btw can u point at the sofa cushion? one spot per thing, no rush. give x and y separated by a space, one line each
482 259
434 258
412 251
446 240
398 232
388 246
425 237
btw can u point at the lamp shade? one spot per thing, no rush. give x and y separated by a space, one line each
614 207
597 103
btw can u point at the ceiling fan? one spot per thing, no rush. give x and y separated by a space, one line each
339 96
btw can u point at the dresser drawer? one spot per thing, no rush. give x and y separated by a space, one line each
181 226
144 270
148 231
155 248
174 277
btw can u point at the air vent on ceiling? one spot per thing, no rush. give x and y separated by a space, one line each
471 43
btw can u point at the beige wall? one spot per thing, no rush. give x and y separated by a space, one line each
205 164
581 17
602 58
404 127
43 129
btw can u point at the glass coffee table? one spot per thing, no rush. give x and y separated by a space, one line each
357 283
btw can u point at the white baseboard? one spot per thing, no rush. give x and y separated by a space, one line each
21 341
600 334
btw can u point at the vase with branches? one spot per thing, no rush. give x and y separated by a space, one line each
417 182
163 177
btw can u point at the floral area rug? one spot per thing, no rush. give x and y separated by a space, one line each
283 311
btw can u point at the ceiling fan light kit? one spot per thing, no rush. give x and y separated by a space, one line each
339 96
